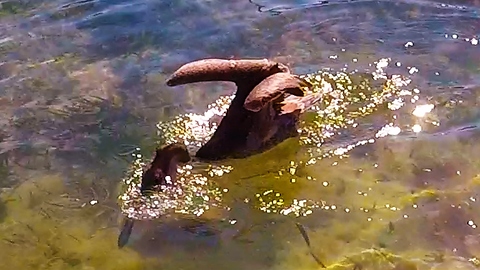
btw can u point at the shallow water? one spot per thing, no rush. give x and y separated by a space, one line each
82 86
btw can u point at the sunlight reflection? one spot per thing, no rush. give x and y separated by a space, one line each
472 40
422 110
348 98
472 224
192 194
416 128
389 129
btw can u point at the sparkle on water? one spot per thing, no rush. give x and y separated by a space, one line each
347 98
386 170
191 194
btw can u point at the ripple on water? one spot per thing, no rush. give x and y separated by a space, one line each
395 168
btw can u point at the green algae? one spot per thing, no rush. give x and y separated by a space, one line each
374 259
368 186
396 229
353 200
39 216
387 176
44 229
279 176
12 7
3 211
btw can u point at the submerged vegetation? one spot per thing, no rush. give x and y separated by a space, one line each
47 227
372 216
366 199
384 174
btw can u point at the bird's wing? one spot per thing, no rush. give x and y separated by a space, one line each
291 104
274 87
224 70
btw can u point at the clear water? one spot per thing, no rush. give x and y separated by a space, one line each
82 86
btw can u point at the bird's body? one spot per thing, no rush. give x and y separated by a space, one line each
265 111
162 171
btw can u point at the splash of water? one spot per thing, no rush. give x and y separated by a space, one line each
347 99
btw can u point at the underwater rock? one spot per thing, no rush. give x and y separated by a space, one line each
266 108
162 171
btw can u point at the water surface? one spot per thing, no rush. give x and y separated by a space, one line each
82 86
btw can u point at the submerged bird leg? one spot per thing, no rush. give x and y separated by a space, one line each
125 232
304 234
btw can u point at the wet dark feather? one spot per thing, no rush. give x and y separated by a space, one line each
264 112
164 164
273 87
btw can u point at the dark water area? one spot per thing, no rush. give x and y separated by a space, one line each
82 87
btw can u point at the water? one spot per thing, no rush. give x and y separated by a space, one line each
395 187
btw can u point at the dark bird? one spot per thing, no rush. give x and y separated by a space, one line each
162 171
265 111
